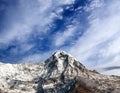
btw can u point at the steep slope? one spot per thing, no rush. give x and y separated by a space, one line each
61 73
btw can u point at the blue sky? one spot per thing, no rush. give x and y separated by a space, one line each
31 30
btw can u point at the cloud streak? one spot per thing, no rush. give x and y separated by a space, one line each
99 46
27 22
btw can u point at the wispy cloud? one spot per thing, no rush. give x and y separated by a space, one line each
25 18
99 45
26 15
35 58
61 38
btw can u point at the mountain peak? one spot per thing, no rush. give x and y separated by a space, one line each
62 63
60 53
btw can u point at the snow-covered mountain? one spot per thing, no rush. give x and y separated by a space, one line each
61 73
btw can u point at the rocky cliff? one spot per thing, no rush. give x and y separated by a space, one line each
61 73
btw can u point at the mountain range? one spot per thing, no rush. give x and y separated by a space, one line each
60 73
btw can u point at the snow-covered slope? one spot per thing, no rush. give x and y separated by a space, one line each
61 73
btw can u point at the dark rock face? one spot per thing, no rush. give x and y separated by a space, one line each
61 73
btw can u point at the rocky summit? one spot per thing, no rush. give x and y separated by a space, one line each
61 73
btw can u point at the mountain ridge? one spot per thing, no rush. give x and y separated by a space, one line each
61 73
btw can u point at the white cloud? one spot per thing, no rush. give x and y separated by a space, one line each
100 43
61 38
33 58
36 57
26 15
26 18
